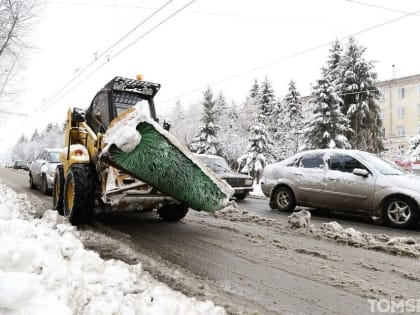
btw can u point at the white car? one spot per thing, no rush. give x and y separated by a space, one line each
42 170
344 180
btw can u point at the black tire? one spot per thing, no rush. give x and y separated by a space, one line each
282 199
31 182
58 190
240 196
400 212
172 212
44 186
79 194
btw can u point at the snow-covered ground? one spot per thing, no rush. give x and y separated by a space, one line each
44 269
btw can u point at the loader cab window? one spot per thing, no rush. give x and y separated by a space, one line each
124 100
99 113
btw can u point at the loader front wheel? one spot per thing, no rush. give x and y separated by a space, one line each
58 190
79 194
172 212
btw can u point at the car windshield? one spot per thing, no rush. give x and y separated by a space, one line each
383 166
216 164
54 157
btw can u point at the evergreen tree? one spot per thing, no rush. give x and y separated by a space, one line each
230 137
205 141
332 71
360 98
328 126
293 119
178 121
255 89
265 101
35 135
279 131
258 151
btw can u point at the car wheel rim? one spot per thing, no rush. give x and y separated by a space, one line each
399 212
70 198
283 199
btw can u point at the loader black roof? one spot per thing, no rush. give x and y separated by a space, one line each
117 95
147 89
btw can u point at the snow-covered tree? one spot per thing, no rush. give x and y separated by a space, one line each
332 70
258 151
279 131
328 127
266 101
27 150
230 137
360 98
17 19
293 119
205 140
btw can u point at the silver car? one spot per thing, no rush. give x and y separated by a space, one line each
344 180
42 170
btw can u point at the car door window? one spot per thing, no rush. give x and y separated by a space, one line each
312 160
344 163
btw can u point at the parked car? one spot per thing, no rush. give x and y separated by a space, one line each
20 165
344 180
42 170
242 184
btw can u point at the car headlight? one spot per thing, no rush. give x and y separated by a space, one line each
52 174
248 182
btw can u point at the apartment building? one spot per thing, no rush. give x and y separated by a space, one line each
400 111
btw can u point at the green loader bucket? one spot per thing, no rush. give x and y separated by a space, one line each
160 160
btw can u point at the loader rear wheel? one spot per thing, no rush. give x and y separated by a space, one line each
58 190
79 194
172 212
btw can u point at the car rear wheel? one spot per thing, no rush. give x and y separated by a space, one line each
283 199
400 212
58 190
44 186
172 212
31 182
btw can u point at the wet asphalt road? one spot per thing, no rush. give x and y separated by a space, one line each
248 268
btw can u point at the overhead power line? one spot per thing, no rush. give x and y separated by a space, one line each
271 63
221 14
85 68
378 7
117 54
11 113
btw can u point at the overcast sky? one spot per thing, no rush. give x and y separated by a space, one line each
218 43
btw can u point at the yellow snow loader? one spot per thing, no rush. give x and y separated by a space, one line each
118 157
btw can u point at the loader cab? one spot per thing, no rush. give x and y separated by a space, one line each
118 95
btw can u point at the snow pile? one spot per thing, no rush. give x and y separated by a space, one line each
233 213
299 219
123 132
44 269
403 246
300 222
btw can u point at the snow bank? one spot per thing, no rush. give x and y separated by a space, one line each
44 269
301 223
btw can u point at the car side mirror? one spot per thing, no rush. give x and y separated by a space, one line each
360 172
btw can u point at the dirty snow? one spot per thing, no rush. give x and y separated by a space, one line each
44 269
300 223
